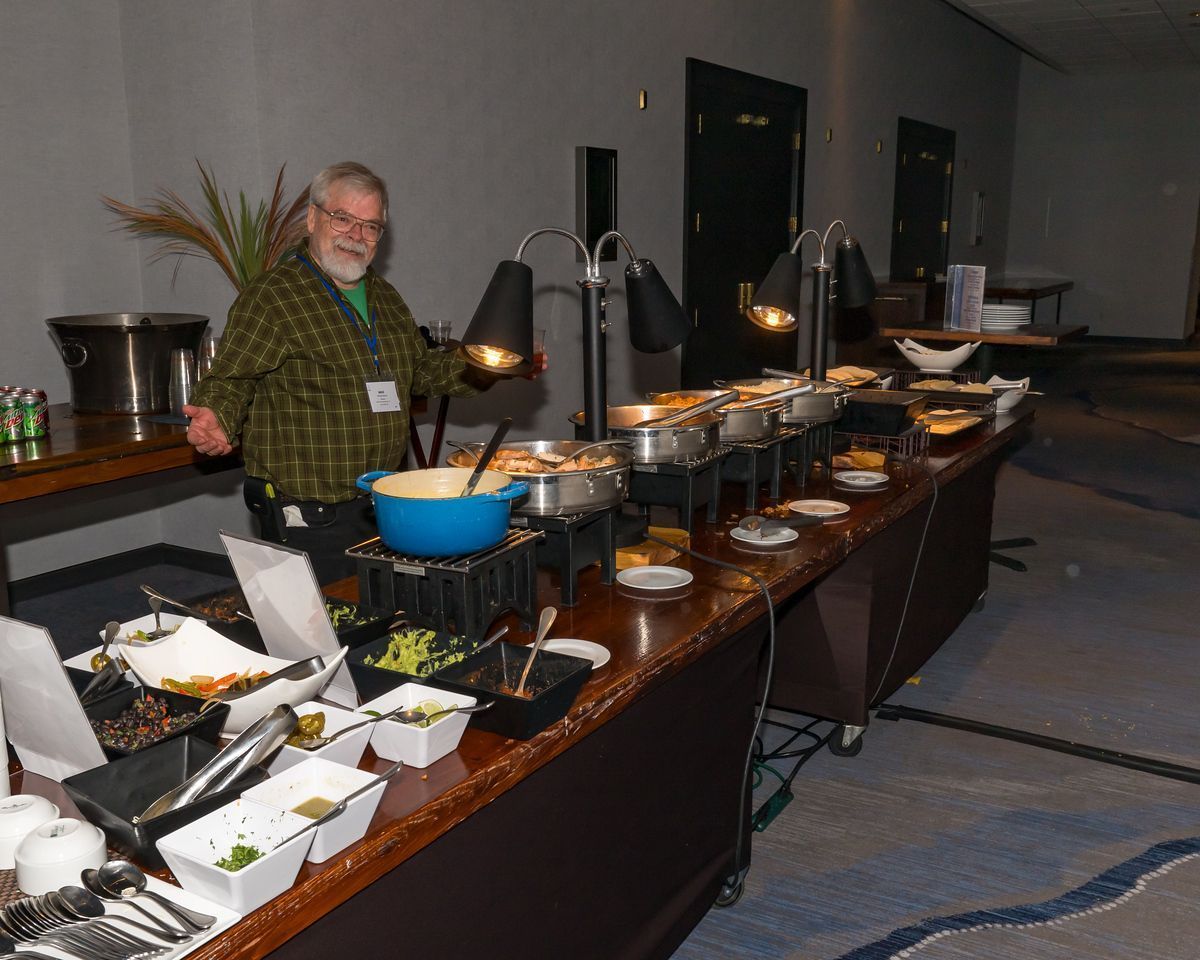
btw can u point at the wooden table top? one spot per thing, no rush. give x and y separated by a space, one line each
651 639
84 449
1033 335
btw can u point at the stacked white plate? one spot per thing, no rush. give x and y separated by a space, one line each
1006 316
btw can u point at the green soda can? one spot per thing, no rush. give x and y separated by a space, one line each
13 423
35 412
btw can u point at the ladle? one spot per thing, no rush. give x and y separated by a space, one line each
486 457
91 881
122 878
671 419
544 622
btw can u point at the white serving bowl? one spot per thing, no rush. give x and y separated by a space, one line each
192 852
20 815
347 751
196 649
333 781
417 746
1008 392
935 361
56 853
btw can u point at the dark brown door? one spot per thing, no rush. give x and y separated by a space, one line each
742 197
921 210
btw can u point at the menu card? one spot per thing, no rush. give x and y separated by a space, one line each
964 297
288 606
42 714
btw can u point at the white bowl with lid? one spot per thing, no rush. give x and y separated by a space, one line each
20 815
56 853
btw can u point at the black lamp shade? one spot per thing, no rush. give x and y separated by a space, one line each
502 327
855 283
656 320
776 304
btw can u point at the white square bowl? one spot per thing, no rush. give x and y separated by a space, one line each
192 851
346 751
198 649
417 746
333 781
83 661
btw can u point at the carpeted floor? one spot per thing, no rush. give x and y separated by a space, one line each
1096 644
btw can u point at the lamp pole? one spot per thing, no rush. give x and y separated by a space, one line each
595 361
820 331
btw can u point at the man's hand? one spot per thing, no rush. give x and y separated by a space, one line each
204 433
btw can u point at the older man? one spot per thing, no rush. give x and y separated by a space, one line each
316 365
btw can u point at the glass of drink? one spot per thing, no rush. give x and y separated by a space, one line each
208 353
539 348
440 330
182 379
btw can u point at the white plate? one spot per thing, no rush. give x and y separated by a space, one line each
861 478
654 578
780 535
584 649
819 508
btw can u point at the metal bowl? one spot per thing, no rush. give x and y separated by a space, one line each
737 423
555 493
693 439
826 404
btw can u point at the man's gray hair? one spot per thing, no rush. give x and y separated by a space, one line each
351 174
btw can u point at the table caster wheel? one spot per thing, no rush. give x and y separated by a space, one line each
731 893
846 741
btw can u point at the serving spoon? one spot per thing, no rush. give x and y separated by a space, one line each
402 714
544 622
122 878
91 882
486 457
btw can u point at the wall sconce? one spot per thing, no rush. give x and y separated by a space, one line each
776 305
499 337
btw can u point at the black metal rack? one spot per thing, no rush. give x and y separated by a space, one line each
685 485
755 462
806 444
461 595
573 542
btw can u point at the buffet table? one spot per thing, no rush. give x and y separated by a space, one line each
610 833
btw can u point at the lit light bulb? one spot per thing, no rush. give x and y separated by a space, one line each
772 318
493 356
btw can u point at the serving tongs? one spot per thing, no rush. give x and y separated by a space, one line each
255 744
765 525
300 670
678 417
190 611
109 675
818 385
767 399
486 457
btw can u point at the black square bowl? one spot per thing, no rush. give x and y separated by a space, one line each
372 681
206 727
881 413
111 795
369 622
555 681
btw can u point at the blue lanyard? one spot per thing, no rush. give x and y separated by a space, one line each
371 341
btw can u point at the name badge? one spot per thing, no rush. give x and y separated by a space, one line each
383 396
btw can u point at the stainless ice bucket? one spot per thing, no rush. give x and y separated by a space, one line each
119 362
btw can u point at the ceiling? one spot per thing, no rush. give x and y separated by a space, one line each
1089 36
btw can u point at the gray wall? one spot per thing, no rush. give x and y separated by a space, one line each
1106 190
471 111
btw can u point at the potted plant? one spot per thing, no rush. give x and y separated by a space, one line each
242 244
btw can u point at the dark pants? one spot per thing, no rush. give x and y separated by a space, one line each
332 529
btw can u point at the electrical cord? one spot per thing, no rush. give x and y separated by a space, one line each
758 718
912 461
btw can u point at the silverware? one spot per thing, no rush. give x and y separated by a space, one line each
764 525
80 904
190 611
109 673
127 881
563 458
544 621
257 742
402 714
91 882
486 457
156 608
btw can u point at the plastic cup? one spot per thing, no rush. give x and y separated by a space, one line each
182 379
440 330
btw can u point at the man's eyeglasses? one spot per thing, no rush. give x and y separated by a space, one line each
344 223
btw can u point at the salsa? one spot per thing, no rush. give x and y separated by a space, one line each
147 720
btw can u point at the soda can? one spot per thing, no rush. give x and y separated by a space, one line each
14 419
36 415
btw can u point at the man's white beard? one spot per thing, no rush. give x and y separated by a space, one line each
345 269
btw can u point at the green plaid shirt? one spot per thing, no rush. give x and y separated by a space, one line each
291 374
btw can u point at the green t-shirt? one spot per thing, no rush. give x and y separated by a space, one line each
357 295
